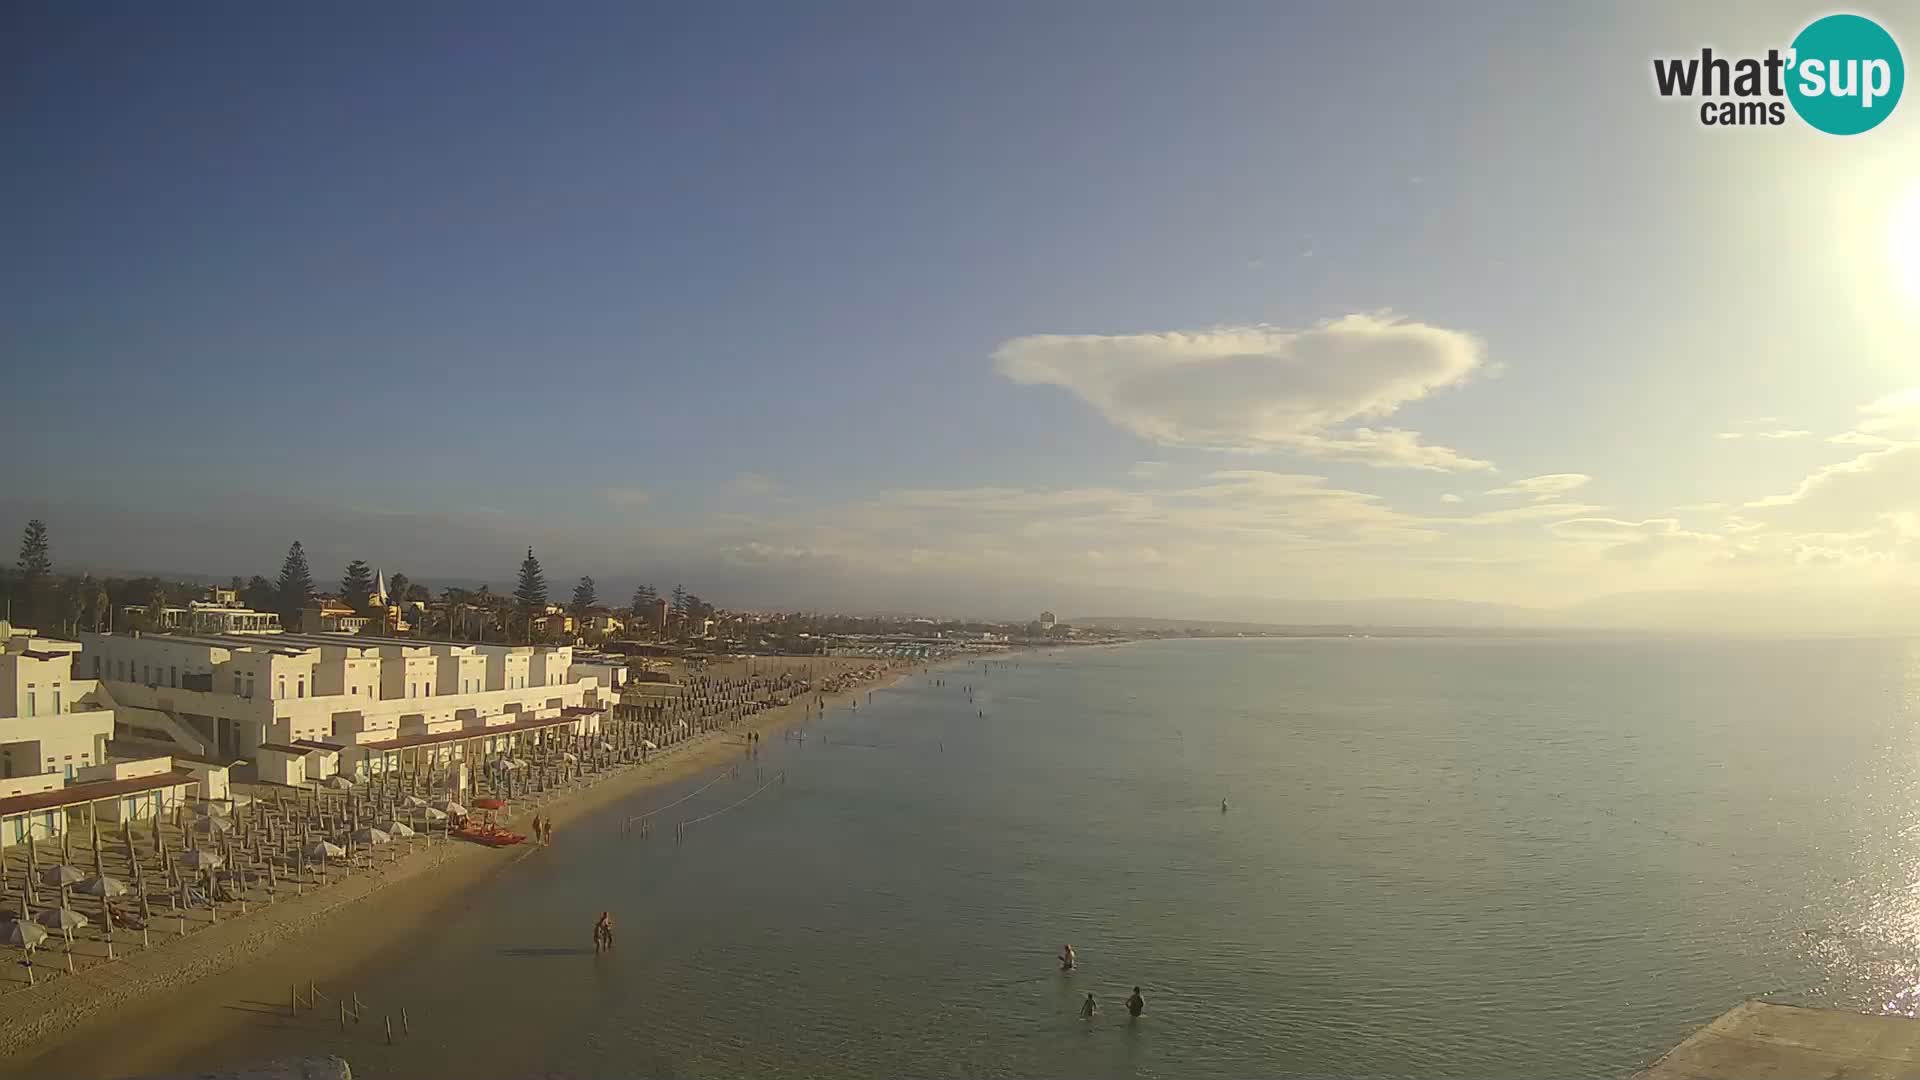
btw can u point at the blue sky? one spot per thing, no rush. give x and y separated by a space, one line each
712 293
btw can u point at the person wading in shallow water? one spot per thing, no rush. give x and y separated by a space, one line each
1136 1004
1087 1007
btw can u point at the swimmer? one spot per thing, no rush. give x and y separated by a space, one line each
1067 958
1136 1004
1088 1008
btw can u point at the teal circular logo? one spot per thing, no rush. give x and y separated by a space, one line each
1845 74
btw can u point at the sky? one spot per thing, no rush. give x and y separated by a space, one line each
1404 312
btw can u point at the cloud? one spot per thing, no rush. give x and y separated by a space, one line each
1262 388
1862 490
749 485
626 498
1619 539
1544 487
1450 497
1895 412
1776 433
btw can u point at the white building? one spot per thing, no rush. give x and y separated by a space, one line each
51 724
225 695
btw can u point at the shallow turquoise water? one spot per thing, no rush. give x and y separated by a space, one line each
1443 858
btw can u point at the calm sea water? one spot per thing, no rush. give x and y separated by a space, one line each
1443 858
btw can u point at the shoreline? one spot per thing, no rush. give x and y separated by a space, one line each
63 1028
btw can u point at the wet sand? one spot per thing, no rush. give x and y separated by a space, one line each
152 1006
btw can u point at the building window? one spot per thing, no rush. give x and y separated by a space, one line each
30 699
56 701
301 688
355 690
236 685
173 677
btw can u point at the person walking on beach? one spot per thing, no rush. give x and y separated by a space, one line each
1136 1004
1087 1007
536 828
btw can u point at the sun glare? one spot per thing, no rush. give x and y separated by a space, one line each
1903 244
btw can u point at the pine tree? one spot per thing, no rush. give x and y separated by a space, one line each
584 598
295 588
644 598
398 586
36 561
356 586
679 599
531 594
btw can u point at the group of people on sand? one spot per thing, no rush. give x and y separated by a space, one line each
603 933
542 830
1135 1003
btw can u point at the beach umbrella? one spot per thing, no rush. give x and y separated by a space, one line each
370 837
413 802
21 934
321 849
567 755
102 887
213 823
451 808
63 919
396 828
337 782
649 744
434 813
206 808
200 859
61 876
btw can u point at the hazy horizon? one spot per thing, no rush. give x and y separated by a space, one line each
867 309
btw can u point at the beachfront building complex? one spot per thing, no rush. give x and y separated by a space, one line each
228 695
58 768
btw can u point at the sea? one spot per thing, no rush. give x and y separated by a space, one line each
1439 857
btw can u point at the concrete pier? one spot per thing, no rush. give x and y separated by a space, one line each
1761 1041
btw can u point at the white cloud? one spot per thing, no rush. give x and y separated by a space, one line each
1774 433
1895 412
627 498
1860 491
1450 497
1544 487
749 485
1619 539
1262 388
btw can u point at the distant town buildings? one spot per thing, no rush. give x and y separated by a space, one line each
1047 621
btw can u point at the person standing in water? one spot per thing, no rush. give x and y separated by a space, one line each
1136 1004
1087 1007
1067 959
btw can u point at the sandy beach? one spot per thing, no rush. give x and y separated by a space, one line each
151 1005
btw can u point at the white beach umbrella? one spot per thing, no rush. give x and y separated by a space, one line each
21 934
649 744
202 859
338 782
321 849
60 918
413 801
396 828
103 887
370 837
60 876
451 808
434 813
